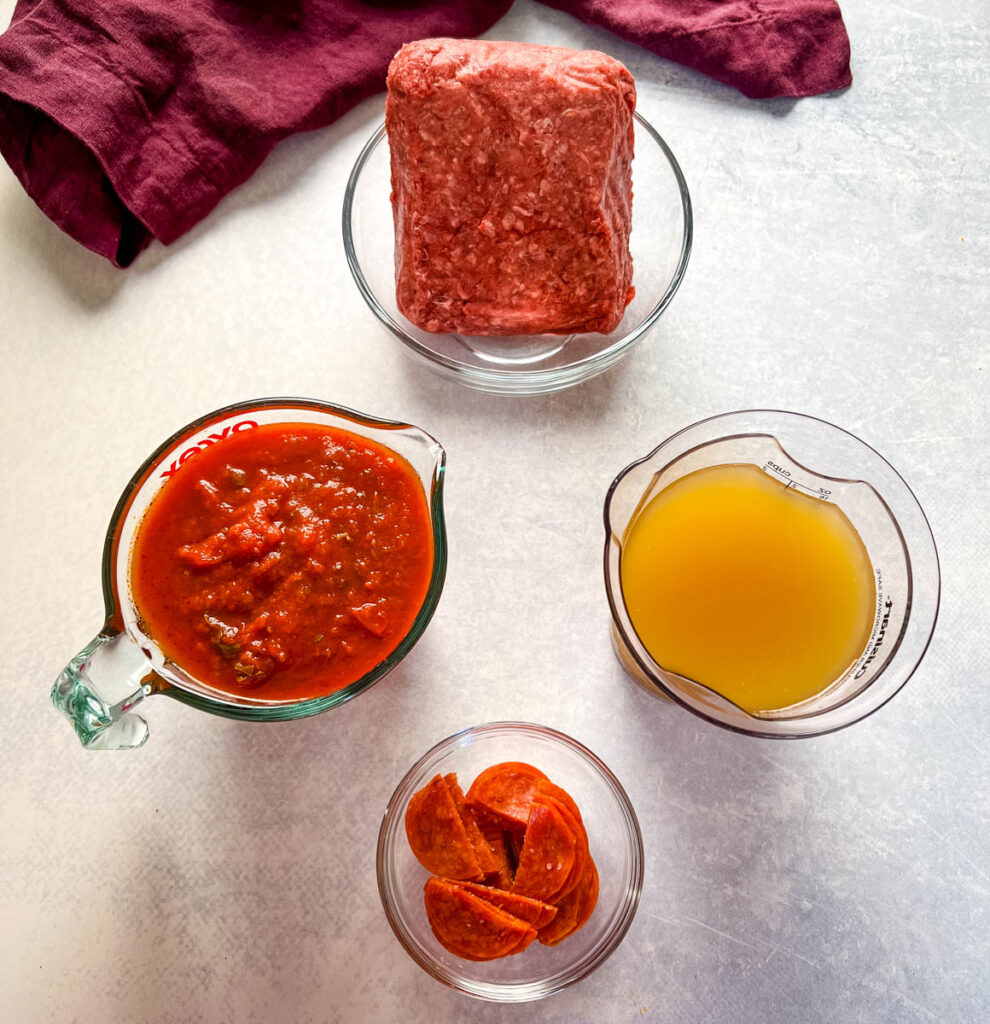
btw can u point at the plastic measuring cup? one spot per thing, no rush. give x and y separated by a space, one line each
116 671
832 465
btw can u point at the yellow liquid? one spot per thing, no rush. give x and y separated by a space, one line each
750 587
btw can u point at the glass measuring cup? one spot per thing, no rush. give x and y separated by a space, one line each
116 671
832 465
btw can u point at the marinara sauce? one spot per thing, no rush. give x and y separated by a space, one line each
285 561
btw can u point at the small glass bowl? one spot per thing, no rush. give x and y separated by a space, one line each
538 363
615 841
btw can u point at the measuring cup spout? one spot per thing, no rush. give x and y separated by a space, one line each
98 690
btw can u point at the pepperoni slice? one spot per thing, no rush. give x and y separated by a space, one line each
469 927
561 794
504 793
525 942
437 835
547 856
534 912
574 910
501 877
486 859
520 833
581 853
515 845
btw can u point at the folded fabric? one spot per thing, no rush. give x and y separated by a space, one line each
763 47
130 120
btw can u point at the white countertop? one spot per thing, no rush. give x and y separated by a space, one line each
225 872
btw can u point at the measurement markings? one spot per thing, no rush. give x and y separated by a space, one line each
819 492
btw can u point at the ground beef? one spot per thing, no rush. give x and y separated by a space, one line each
511 187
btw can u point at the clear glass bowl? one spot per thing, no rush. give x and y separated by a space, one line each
615 841
833 465
526 364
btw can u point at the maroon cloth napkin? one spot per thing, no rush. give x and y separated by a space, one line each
763 47
130 119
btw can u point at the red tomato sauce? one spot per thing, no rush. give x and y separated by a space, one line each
285 561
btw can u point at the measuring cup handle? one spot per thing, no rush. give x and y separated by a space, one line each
99 688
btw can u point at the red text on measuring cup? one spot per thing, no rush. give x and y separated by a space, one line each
206 442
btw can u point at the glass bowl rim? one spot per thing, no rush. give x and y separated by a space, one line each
927 537
314 705
494 378
629 904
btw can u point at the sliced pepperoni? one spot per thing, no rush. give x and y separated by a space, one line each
501 877
504 793
534 912
573 910
525 942
515 845
547 856
581 853
486 859
561 794
525 837
469 927
437 835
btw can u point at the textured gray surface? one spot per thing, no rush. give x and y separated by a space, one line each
226 871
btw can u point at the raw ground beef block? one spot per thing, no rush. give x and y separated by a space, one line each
511 187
